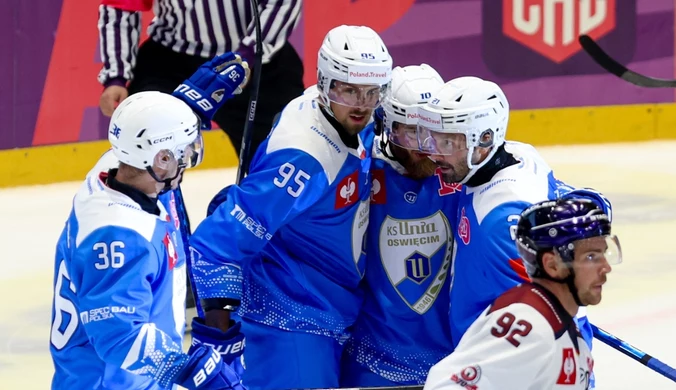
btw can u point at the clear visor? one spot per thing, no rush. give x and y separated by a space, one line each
598 251
357 95
404 136
192 154
434 141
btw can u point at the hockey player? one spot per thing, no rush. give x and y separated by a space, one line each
293 228
409 249
527 338
463 126
120 271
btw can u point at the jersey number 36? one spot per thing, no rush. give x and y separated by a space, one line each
110 257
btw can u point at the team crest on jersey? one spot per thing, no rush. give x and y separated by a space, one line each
468 377
359 225
378 190
568 368
173 212
347 191
416 255
463 228
172 255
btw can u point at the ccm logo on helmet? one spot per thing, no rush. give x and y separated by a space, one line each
162 139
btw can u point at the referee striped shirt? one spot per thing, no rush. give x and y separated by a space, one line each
202 28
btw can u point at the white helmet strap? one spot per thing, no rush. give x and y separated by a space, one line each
474 168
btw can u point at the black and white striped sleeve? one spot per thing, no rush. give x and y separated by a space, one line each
119 33
278 19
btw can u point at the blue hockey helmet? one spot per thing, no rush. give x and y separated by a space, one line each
561 226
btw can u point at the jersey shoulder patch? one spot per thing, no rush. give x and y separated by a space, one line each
380 159
532 296
303 127
527 181
97 206
106 162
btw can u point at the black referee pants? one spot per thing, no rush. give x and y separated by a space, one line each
161 69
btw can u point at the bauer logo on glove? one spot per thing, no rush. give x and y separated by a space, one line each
213 84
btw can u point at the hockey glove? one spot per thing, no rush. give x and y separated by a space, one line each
229 344
205 369
213 84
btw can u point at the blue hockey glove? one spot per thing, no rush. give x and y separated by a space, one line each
206 370
213 84
229 344
595 196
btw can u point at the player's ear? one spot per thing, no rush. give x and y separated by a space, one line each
551 264
486 139
164 163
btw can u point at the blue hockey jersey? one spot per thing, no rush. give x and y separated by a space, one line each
487 262
403 327
293 228
119 294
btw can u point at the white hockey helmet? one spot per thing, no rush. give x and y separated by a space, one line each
469 106
411 87
355 55
147 122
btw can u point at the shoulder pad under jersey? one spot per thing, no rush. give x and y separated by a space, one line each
302 127
97 206
527 181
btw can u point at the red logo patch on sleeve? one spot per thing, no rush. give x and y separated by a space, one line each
347 191
446 188
568 368
172 255
378 191
463 227
468 377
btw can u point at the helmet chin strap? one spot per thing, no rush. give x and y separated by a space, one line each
325 103
568 281
166 182
473 169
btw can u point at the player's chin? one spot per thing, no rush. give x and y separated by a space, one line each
594 296
423 168
355 128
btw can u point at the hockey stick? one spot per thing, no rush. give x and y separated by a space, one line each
634 353
417 387
248 132
243 165
609 64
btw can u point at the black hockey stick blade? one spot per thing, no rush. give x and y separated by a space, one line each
244 151
609 64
